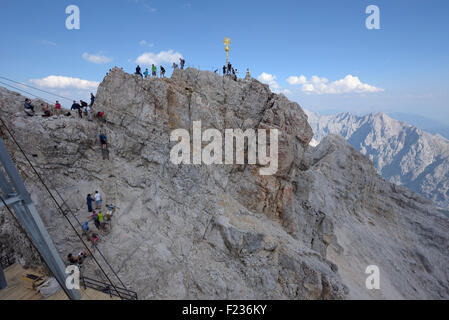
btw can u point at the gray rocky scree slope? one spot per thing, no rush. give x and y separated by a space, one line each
225 232
403 154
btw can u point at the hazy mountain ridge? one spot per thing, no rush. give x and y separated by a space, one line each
402 153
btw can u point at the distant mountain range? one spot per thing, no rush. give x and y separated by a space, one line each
402 153
426 124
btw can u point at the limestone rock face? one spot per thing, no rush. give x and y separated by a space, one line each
225 231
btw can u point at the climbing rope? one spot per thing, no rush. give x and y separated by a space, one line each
31 87
29 93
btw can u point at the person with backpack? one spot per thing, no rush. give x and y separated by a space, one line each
72 259
103 141
76 106
47 112
28 108
84 106
153 70
182 62
162 72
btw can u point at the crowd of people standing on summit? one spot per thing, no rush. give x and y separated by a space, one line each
83 108
146 73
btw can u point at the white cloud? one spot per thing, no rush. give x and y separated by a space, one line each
271 81
145 43
96 58
61 82
317 85
296 80
150 58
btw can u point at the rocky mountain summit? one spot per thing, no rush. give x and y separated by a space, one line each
402 154
225 231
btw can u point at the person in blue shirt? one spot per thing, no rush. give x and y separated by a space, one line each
86 227
29 109
92 99
104 141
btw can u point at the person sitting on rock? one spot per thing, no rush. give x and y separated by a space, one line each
72 259
29 108
110 211
100 116
47 112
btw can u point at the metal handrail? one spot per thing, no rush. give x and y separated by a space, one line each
106 288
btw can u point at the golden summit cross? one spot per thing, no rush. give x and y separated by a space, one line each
227 42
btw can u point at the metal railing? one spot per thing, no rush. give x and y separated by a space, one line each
122 293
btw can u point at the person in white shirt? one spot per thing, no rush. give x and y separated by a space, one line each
97 198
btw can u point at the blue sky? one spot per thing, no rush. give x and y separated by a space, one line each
403 67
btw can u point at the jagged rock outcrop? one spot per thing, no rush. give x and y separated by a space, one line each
403 154
224 231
